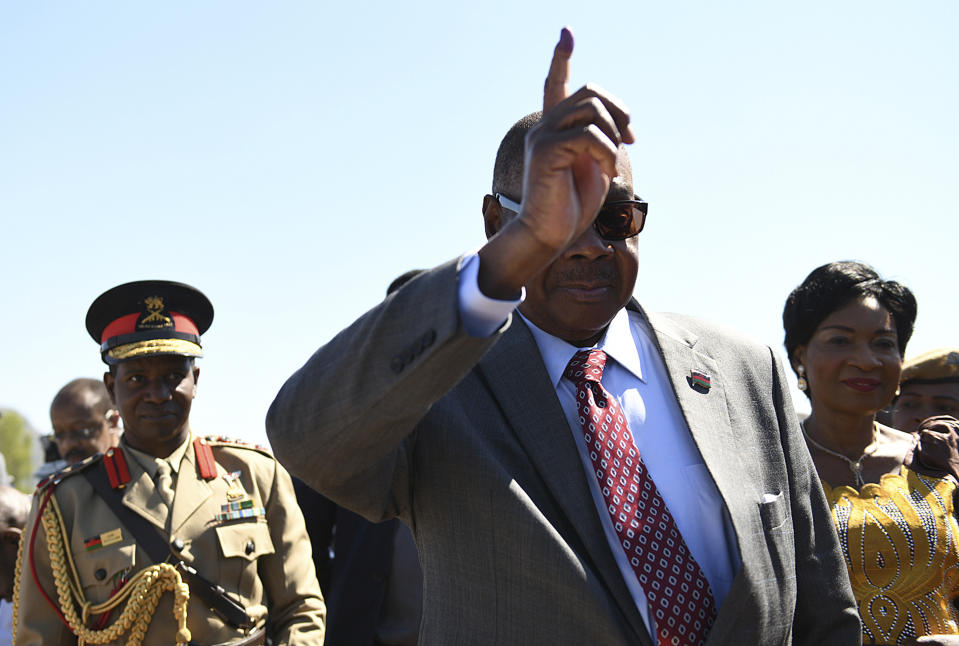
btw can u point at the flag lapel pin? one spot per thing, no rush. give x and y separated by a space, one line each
699 380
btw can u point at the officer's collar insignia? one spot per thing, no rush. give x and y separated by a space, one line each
116 465
154 316
205 463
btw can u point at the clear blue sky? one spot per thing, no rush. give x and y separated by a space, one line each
291 158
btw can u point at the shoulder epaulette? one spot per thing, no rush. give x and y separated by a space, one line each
55 478
220 440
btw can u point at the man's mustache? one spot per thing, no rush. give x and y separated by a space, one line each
587 274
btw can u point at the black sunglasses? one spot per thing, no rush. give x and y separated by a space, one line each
616 220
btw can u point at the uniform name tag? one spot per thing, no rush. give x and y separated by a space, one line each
111 537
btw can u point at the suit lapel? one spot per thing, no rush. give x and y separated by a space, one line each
516 375
191 490
706 415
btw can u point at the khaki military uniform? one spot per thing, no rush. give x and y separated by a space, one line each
261 557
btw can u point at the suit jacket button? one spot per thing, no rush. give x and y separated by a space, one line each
250 546
397 365
427 339
100 574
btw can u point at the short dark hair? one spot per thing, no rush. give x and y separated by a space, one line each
79 387
834 285
508 167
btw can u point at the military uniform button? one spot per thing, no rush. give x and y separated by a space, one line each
250 546
100 574
178 544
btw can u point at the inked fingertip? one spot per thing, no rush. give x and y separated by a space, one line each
565 40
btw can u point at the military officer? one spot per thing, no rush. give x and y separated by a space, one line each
170 537
929 386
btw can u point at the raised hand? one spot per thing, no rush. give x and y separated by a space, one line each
571 153
937 448
569 163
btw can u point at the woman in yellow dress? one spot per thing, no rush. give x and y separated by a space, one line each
846 333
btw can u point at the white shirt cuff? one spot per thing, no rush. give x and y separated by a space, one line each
481 315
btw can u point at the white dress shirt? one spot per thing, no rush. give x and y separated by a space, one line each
6 623
637 377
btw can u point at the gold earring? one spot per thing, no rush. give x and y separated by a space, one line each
801 382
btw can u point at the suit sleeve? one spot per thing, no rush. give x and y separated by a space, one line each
37 623
826 610
343 421
297 611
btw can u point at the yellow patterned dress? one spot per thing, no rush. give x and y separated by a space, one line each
899 538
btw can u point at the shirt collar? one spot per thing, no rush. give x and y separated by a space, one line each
618 342
148 462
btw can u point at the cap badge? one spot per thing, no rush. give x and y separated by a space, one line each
155 318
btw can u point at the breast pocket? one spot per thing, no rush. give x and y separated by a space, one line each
101 570
772 511
778 535
241 544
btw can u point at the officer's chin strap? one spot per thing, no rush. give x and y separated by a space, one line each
142 593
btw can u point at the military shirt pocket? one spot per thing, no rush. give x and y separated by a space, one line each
241 544
245 540
101 569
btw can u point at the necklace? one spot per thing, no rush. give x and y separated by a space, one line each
854 465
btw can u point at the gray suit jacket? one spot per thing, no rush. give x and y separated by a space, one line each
403 414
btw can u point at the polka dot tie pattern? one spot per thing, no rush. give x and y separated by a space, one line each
678 593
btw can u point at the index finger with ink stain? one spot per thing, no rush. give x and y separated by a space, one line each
556 87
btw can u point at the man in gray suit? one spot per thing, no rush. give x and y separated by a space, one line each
577 471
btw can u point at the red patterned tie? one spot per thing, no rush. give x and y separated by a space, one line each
678 593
